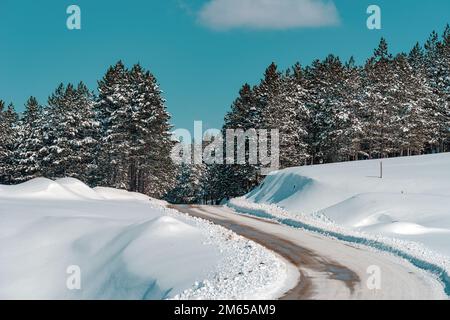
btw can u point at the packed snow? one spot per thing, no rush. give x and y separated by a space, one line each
127 246
407 211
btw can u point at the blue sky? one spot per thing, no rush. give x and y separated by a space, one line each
200 56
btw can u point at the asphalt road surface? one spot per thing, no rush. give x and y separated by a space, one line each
328 268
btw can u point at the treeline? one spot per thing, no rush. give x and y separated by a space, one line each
334 111
329 111
120 138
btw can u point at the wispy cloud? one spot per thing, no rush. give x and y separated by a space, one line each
268 14
185 6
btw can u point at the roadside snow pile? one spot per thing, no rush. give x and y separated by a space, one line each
117 194
39 188
408 210
127 246
311 189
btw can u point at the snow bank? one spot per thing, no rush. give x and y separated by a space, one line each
77 188
127 246
312 188
406 212
117 194
40 188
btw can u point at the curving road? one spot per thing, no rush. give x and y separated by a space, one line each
329 269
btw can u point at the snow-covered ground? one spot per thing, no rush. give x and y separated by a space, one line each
406 212
128 246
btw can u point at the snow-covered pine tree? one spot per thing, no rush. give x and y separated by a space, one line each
352 93
189 186
380 120
88 136
331 128
426 121
265 93
8 143
136 132
416 103
114 113
299 97
269 88
139 112
3 149
183 190
28 155
313 128
151 168
214 190
437 61
286 111
238 179
445 54
70 134
410 137
58 132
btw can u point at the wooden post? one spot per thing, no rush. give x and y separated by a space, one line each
381 169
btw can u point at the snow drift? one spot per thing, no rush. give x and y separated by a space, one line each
409 208
127 246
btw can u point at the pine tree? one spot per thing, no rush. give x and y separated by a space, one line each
152 170
445 54
352 100
70 134
8 143
331 108
425 121
214 188
265 93
299 96
28 155
136 132
380 124
88 136
114 119
437 61
246 114
286 111
413 127
189 188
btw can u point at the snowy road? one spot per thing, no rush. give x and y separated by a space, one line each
329 269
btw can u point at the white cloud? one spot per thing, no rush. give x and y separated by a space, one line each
268 14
